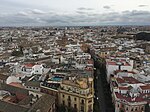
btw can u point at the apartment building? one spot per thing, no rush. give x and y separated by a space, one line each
77 94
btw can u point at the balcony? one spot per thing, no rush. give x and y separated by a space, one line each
69 99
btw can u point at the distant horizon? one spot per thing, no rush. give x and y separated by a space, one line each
74 26
74 12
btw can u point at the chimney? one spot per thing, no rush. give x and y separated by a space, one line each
119 67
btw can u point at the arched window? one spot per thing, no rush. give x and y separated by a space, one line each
37 96
142 108
82 101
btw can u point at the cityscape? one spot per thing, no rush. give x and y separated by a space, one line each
82 61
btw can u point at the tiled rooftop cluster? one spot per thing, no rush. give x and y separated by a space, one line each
55 61
127 69
46 60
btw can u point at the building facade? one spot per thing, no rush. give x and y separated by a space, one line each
77 94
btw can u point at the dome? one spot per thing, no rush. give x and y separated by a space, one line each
90 79
11 79
82 84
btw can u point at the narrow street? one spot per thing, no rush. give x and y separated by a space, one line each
99 95
102 89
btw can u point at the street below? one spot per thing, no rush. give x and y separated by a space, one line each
103 98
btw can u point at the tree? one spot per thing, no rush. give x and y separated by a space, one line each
121 110
143 36
21 49
17 53
62 108
147 108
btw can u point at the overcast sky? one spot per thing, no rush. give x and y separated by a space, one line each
74 12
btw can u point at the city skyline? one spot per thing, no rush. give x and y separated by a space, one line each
74 13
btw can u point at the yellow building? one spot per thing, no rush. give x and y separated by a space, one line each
77 93
103 54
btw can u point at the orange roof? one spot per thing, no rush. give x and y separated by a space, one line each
16 84
119 80
90 62
131 80
118 71
128 98
127 64
119 53
123 88
131 72
111 63
89 68
145 87
30 65
124 63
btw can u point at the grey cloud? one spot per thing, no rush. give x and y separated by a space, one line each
81 12
32 12
83 8
12 20
136 13
135 17
126 11
56 19
92 14
21 13
84 11
143 5
106 7
37 11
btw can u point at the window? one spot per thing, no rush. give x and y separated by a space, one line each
90 107
75 99
63 96
75 106
132 109
32 95
82 108
69 104
69 98
89 101
127 109
82 101
118 105
63 102
142 108
37 96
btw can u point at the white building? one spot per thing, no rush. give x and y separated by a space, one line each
39 69
118 64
